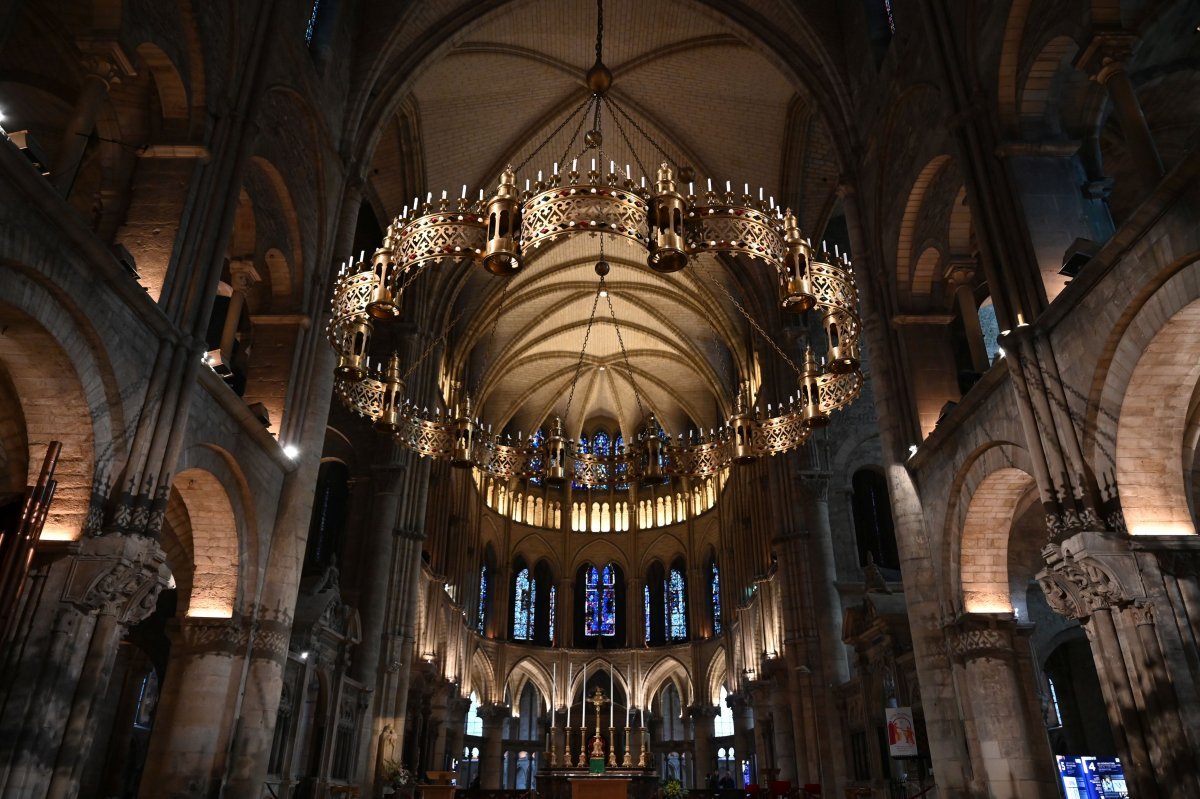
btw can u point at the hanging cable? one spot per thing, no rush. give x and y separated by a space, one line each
586 101
753 323
637 395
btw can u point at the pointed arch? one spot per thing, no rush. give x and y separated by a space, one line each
530 670
668 669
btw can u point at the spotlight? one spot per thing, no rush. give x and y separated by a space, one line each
291 450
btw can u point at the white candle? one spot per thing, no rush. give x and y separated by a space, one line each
611 696
553 696
570 698
628 701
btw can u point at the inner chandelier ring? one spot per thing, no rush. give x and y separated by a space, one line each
505 234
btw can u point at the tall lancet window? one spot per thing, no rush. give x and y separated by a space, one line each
553 611
600 602
601 447
481 615
524 596
676 606
714 587
646 607
535 461
622 467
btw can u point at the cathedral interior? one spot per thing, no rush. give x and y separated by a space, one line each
454 399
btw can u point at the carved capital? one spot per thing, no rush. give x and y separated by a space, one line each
1082 574
980 635
117 575
494 713
700 711
208 636
1106 54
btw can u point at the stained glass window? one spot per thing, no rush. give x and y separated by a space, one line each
553 596
481 616
535 462
891 20
676 607
524 592
646 605
601 446
600 602
584 448
312 21
474 722
716 599
622 468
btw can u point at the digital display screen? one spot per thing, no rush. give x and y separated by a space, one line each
1085 777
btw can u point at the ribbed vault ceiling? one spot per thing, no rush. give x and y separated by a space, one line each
708 98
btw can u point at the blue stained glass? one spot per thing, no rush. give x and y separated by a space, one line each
600 446
716 599
553 596
312 21
600 602
524 592
483 590
608 602
646 605
622 468
676 607
583 448
535 462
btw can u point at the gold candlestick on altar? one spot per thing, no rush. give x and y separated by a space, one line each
553 749
628 761
644 758
612 747
583 763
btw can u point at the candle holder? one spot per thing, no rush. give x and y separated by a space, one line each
644 757
628 761
553 749
612 747
583 760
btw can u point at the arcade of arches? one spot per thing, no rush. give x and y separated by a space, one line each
216 581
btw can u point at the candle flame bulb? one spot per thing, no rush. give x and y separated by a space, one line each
464 194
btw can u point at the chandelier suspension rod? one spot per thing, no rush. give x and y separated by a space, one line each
621 129
619 110
637 395
599 31
586 335
487 350
754 323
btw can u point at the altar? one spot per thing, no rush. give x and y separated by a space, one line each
600 786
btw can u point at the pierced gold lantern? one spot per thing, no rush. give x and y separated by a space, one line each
795 289
393 397
352 357
810 393
557 465
502 253
383 304
666 242
653 471
461 454
741 432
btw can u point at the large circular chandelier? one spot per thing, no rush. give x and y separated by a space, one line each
506 232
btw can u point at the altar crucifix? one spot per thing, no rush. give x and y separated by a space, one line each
596 751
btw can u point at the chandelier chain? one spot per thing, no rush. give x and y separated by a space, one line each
556 131
637 395
575 136
432 345
487 350
616 107
625 136
757 327
599 30
579 365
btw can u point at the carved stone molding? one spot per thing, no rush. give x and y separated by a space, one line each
208 636
700 711
118 575
1089 572
977 635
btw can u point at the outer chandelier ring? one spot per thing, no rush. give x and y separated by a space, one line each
505 233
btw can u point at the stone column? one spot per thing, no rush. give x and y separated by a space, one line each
763 731
63 658
192 725
104 65
1134 597
244 279
1009 748
959 274
492 758
703 731
1104 59
743 732
456 725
